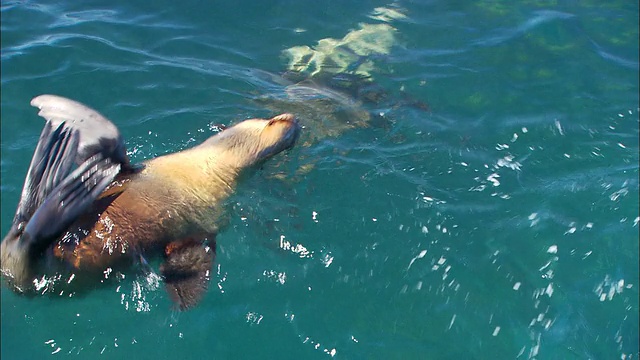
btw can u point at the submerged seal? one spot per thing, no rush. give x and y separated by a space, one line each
333 84
107 214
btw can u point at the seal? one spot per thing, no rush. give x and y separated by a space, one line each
107 215
333 84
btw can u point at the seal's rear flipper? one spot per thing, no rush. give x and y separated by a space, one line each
52 198
97 134
51 162
186 271
68 200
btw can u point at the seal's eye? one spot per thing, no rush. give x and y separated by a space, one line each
271 122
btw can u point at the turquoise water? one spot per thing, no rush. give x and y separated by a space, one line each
490 212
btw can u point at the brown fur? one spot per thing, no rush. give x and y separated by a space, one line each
172 198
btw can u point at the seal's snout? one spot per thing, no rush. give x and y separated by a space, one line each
294 129
289 126
278 133
285 117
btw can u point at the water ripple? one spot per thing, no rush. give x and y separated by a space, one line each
539 18
504 213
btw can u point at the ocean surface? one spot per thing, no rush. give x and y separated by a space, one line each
465 187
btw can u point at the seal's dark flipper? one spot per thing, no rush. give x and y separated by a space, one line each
52 198
51 162
186 271
96 133
68 200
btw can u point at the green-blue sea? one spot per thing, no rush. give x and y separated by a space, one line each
472 194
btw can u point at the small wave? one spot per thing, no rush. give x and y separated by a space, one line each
109 16
630 64
539 18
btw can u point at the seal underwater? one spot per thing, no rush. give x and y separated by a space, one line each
107 215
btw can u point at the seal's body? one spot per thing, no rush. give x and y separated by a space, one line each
107 214
174 197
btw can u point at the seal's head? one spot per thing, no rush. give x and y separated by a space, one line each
255 140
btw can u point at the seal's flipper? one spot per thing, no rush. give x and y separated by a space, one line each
52 198
68 200
186 271
51 162
97 133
